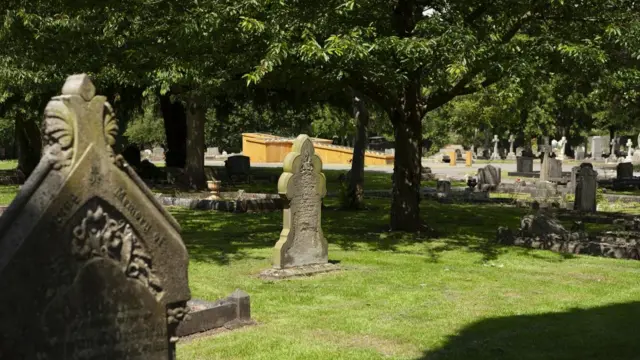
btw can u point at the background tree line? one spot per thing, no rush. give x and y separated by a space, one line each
412 68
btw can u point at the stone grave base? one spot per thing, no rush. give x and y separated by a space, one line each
546 233
11 177
533 175
301 271
229 313
252 203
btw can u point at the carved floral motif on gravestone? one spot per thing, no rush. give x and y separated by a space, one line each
302 185
84 265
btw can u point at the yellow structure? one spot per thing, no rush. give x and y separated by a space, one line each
265 148
453 157
469 159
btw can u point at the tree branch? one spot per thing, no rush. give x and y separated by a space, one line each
461 88
384 97
475 14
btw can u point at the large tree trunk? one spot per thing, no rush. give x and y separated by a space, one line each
175 126
194 169
29 144
407 123
355 190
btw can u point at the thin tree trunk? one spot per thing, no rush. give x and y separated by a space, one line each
407 123
29 145
194 169
356 175
175 126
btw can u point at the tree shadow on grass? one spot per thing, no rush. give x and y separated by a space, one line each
219 237
598 333
222 237
460 226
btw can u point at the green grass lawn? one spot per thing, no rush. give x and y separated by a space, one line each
8 164
405 297
7 193
402 296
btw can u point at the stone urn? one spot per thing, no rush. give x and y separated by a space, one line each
214 186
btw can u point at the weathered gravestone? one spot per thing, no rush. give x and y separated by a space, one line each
624 171
443 186
91 265
302 186
551 169
238 168
524 164
157 154
586 186
489 178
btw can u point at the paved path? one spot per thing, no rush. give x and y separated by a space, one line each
445 170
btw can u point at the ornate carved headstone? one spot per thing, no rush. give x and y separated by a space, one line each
302 186
586 186
91 265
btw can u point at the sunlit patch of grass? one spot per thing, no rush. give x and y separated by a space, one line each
8 164
7 193
404 296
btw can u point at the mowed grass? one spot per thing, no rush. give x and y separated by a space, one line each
7 193
8 164
401 296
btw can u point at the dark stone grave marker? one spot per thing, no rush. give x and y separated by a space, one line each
91 265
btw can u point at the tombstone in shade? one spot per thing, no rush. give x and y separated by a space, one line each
624 171
586 187
238 168
496 154
443 186
131 155
302 186
524 164
551 169
511 155
91 265
489 178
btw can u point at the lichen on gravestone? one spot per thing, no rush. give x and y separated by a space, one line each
302 186
90 263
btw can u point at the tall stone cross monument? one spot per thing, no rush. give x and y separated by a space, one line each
496 154
302 185
91 265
